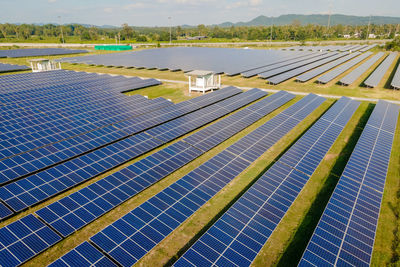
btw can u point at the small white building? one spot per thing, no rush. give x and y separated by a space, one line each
371 36
203 81
42 64
347 36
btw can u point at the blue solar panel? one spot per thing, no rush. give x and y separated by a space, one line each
83 255
356 73
33 189
148 224
242 231
329 76
33 52
11 67
375 78
23 239
127 182
315 72
345 233
4 212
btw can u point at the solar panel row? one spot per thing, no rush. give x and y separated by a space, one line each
302 63
375 78
315 72
396 79
33 189
220 60
130 237
329 76
84 255
356 73
21 240
11 67
369 47
345 233
140 175
290 74
240 233
288 61
33 52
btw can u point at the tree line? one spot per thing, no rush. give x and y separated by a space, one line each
292 32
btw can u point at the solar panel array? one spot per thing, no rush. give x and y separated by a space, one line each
240 233
33 52
290 74
284 69
375 78
75 211
356 73
276 65
329 76
131 237
315 72
35 188
231 61
345 233
396 79
11 67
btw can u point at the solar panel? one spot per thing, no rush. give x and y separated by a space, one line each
356 73
345 233
4 211
83 255
11 67
369 47
315 72
240 233
148 224
396 79
136 177
375 78
329 76
23 239
45 184
33 52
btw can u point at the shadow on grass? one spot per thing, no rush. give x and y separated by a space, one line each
297 245
213 220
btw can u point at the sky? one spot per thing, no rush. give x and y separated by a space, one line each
179 12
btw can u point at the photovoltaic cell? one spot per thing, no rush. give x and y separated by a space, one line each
345 233
396 79
241 232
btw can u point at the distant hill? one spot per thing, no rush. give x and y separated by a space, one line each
314 19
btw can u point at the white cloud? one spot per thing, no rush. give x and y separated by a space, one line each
51 1
134 6
108 9
255 2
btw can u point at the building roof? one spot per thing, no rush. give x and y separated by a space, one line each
199 72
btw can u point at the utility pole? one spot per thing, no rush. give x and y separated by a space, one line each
62 34
329 18
369 24
170 30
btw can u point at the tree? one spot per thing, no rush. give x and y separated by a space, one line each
127 32
85 36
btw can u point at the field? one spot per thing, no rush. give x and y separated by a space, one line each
288 241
